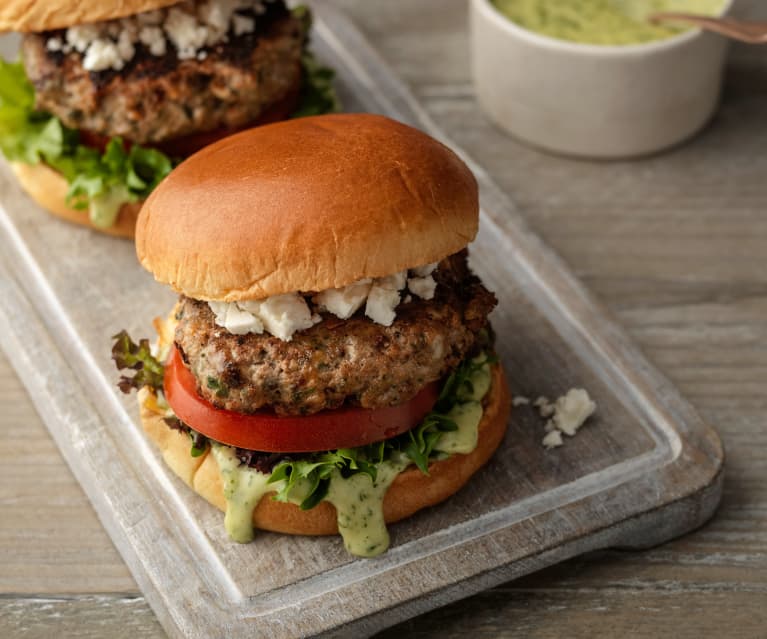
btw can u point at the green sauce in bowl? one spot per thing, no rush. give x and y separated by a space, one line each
606 22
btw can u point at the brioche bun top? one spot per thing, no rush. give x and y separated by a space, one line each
306 205
23 15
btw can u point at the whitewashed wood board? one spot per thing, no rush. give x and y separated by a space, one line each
644 469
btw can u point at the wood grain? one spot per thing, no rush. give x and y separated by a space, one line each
50 539
675 246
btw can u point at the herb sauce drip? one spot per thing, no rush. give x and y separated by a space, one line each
355 481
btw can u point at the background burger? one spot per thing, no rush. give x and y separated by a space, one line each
109 95
329 366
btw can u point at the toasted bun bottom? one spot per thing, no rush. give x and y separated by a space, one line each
49 189
410 491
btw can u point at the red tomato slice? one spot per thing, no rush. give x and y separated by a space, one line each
268 432
98 141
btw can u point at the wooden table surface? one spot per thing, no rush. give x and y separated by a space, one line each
675 246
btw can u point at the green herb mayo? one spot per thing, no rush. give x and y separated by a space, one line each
243 489
358 499
606 22
359 503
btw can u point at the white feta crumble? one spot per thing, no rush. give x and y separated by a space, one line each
234 319
127 27
279 315
549 426
188 26
423 287
186 34
553 439
568 413
54 44
380 296
344 302
101 55
282 315
520 400
215 15
384 296
381 304
80 37
125 46
572 410
153 39
544 406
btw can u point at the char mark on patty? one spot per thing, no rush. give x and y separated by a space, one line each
338 362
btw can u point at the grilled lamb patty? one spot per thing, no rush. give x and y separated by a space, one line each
354 362
162 98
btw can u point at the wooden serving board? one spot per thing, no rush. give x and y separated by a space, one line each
643 470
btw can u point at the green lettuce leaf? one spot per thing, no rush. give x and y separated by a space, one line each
128 355
103 183
199 443
318 96
27 135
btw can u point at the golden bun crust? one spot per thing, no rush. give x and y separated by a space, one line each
23 15
410 492
49 189
306 205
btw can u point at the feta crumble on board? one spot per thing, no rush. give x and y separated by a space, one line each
544 406
283 315
572 410
553 439
564 416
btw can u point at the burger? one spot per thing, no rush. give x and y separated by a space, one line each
109 96
329 366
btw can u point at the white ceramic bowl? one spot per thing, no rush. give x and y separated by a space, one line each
592 100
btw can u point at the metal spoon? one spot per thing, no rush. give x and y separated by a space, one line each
751 32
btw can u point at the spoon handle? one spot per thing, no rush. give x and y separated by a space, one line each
742 30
